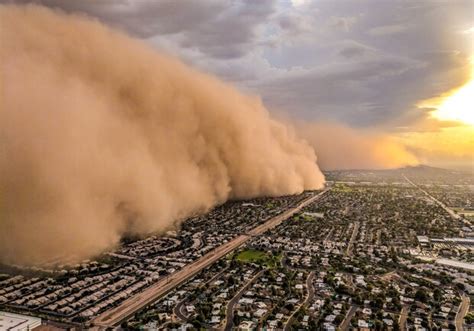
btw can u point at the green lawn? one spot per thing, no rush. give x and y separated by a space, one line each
342 188
252 255
256 256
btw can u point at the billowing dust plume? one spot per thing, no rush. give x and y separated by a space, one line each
342 147
101 136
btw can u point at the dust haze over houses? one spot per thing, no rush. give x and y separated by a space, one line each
108 138
274 164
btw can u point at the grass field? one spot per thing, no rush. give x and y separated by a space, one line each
342 188
258 257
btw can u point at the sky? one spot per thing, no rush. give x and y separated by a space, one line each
384 67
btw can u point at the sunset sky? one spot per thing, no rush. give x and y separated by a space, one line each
401 69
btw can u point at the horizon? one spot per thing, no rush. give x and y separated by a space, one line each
467 169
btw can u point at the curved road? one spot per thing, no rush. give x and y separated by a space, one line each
178 311
127 308
463 309
235 299
309 297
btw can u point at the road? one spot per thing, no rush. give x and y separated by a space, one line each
353 237
230 306
127 308
329 234
442 205
310 287
402 321
309 297
179 311
463 309
347 320
389 275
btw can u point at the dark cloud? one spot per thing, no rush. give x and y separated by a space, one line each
349 92
393 56
142 18
363 62
220 29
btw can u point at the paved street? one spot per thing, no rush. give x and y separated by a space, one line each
353 237
347 320
403 318
309 297
230 306
463 309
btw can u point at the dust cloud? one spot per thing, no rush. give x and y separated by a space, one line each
100 136
342 147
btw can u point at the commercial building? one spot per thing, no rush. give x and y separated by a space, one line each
17 322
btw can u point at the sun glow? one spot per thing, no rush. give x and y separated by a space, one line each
459 106
450 143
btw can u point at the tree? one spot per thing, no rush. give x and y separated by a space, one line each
358 300
469 318
236 320
378 302
421 295
378 325
460 286
393 254
396 327
342 289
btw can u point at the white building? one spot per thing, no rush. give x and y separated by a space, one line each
16 322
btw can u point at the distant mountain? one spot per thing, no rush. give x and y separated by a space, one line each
425 169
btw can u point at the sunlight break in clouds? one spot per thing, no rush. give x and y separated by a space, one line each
457 105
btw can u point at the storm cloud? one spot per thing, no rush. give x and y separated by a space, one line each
360 63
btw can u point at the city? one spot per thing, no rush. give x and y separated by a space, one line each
383 250
237 165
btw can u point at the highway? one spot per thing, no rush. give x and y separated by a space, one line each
127 308
442 205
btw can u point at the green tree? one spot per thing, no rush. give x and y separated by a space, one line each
421 295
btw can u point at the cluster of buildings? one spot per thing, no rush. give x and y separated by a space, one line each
350 261
379 250
78 292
